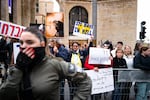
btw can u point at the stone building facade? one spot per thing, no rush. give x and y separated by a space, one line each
114 20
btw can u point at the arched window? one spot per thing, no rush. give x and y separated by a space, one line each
77 13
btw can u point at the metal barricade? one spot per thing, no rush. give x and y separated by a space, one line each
125 86
125 81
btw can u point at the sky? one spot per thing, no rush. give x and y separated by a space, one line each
143 15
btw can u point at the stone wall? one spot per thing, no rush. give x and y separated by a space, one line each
4 10
17 12
117 21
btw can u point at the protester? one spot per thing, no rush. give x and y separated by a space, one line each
128 56
3 56
142 61
77 56
119 45
37 76
120 91
59 50
108 45
96 68
137 47
3 51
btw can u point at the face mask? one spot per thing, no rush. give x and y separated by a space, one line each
39 55
23 61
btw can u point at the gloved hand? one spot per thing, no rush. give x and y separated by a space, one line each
23 61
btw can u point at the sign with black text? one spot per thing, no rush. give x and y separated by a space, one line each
83 29
102 81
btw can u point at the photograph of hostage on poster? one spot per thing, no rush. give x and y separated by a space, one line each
54 25
82 29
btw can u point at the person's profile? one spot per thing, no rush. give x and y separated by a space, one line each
54 25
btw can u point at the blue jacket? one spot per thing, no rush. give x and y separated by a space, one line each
63 53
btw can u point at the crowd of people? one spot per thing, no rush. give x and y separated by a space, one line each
41 65
37 75
122 56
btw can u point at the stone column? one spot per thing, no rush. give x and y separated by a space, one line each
4 10
32 9
94 17
0 9
17 11
26 12
60 4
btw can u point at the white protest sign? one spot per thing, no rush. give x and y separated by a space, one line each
102 81
83 29
16 49
99 56
10 29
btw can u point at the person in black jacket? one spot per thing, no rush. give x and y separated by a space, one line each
120 92
142 61
3 54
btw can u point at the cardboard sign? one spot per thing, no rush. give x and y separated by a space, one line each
10 29
83 29
16 49
102 81
99 56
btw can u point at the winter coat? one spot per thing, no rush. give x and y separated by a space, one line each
45 81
